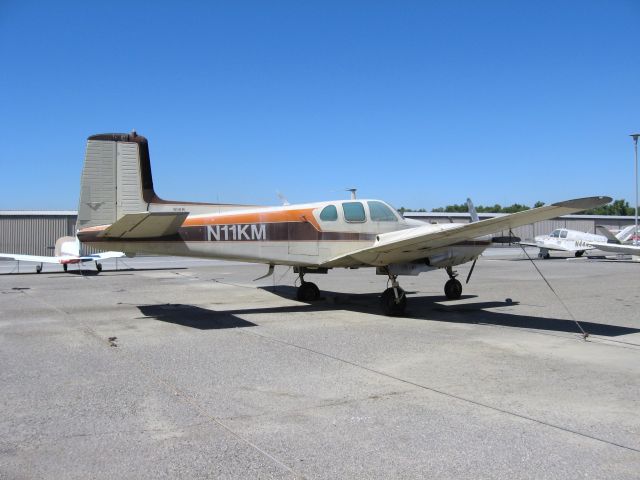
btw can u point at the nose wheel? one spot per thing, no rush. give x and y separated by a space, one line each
453 287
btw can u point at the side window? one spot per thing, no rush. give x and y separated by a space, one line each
381 213
563 234
555 234
353 212
329 213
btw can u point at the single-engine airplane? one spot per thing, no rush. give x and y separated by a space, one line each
119 210
67 252
564 240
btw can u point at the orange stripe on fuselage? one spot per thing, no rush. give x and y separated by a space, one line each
277 216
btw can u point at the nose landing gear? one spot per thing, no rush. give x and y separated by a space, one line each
453 288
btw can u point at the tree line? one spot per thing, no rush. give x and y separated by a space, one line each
617 207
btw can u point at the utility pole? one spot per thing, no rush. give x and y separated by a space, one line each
635 148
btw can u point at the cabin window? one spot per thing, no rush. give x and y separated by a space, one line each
555 234
329 214
563 234
353 211
379 212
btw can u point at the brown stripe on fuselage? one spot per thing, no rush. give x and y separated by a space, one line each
274 232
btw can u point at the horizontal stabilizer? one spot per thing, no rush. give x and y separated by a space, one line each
146 225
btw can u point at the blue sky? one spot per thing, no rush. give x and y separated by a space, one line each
418 103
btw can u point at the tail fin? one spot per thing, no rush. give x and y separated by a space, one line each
116 181
611 238
626 233
67 246
116 178
620 237
472 211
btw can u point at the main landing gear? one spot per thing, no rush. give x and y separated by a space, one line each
453 287
579 253
393 300
38 268
307 291
98 267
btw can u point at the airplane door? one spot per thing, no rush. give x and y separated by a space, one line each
303 239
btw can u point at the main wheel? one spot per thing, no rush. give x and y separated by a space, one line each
391 306
64 267
38 268
546 256
98 267
453 289
308 292
579 253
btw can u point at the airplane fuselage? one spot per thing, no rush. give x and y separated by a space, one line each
298 235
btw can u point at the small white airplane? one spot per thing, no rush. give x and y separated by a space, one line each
618 243
119 210
564 240
67 252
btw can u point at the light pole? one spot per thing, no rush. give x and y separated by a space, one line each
635 148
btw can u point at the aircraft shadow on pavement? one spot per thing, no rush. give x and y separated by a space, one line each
194 317
428 308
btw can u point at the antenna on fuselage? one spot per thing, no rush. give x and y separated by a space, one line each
353 192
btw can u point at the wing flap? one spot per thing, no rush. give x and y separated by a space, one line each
412 244
146 225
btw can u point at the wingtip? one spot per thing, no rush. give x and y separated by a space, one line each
584 203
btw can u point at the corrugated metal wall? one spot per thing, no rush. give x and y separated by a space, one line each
34 234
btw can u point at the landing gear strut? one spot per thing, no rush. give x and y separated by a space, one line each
38 268
393 300
307 291
98 267
453 288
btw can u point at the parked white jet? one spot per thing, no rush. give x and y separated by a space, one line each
564 240
119 210
67 251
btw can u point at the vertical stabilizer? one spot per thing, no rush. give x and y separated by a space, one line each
116 178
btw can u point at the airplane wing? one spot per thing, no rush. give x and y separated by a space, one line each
412 244
616 248
30 258
102 256
528 244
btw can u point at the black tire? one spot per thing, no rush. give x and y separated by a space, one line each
98 267
453 289
579 253
546 256
308 292
388 302
39 269
64 267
